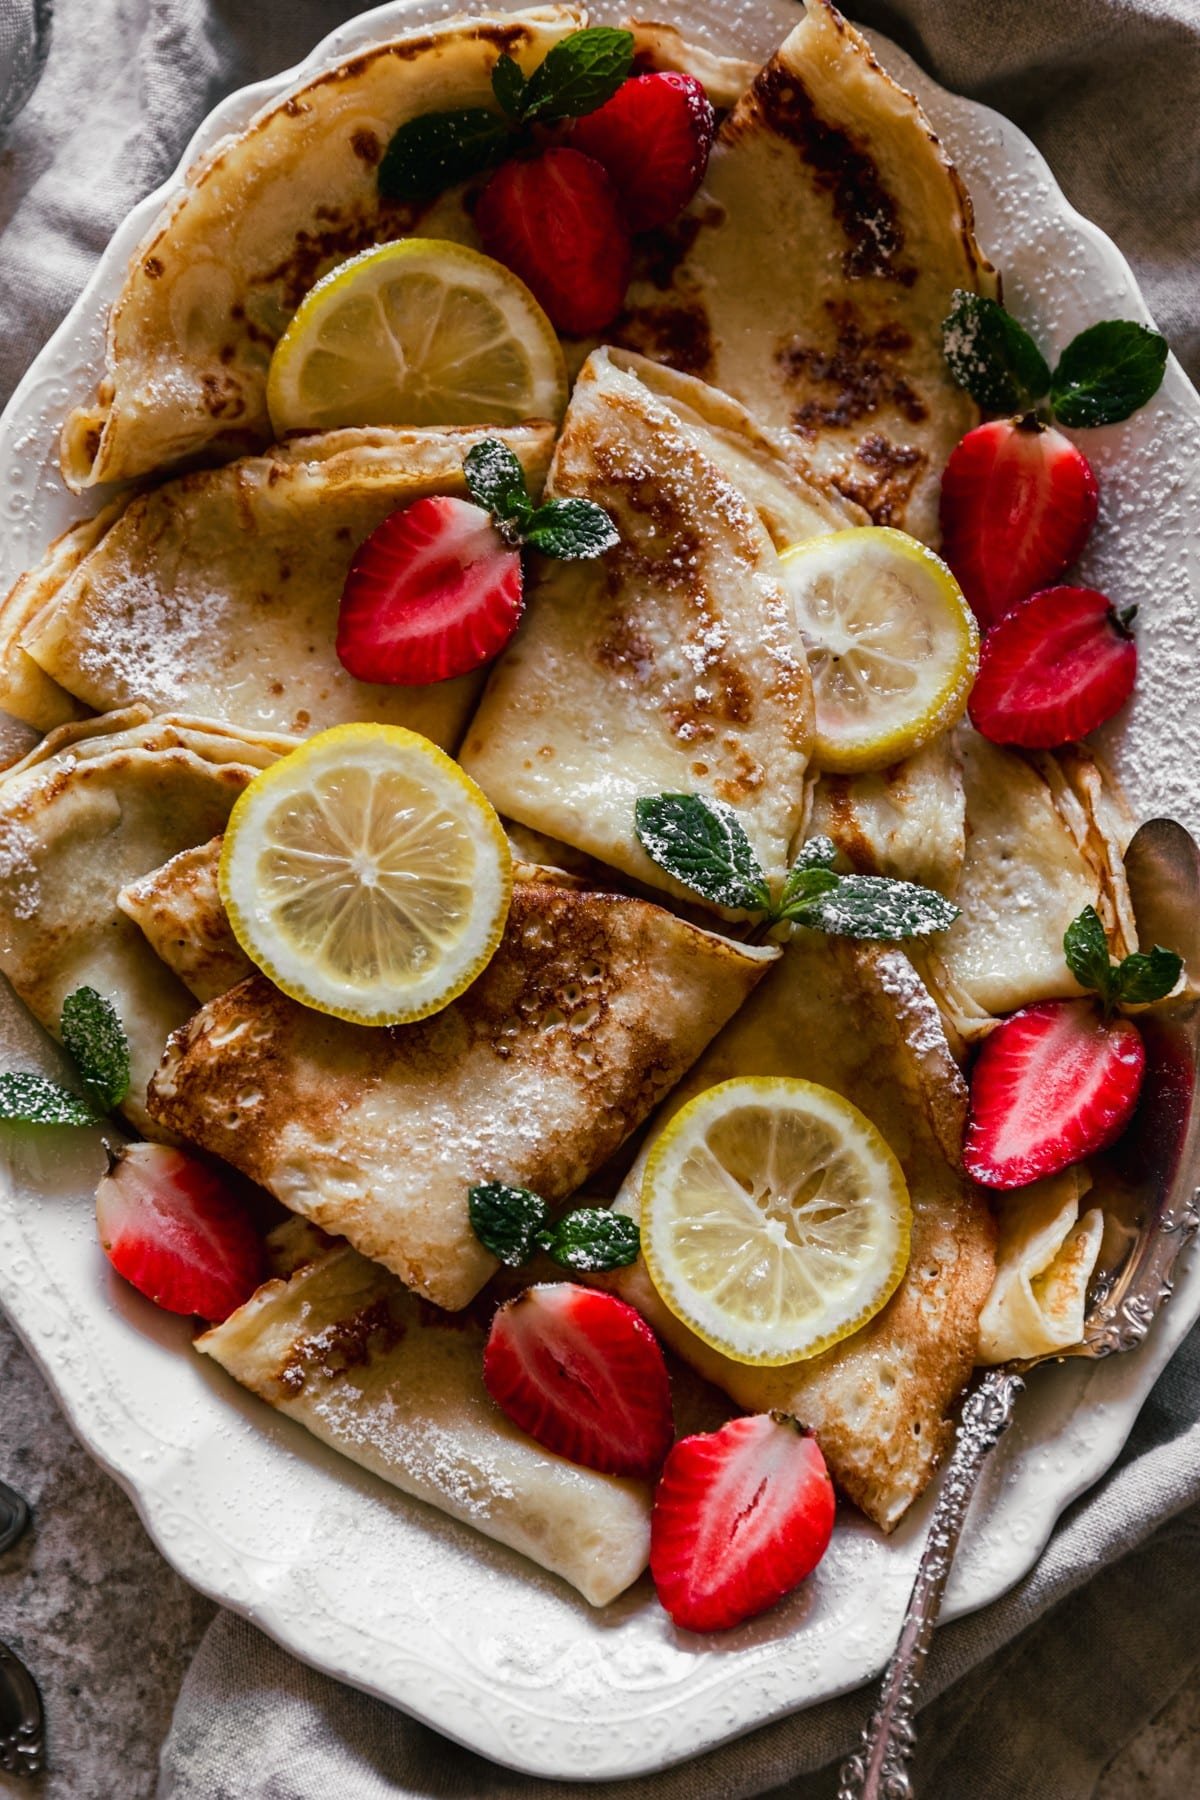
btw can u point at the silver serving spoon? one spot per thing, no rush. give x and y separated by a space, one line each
1148 1188
22 1722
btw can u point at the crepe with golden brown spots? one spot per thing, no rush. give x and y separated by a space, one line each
263 215
93 808
854 1017
673 663
811 274
589 1012
340 1345
218 592
179 911
906 821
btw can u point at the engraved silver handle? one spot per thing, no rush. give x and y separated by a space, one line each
876 1771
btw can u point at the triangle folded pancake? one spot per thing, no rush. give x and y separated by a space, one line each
218 592
812 272
1044 837
855 1017
179 911
341 1346
673 663
906 821
1044 1261
263 216
26 691
589 1012
93 808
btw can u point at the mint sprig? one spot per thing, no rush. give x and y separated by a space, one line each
437 150
94 1038
570 530
1103 376
703 845
1134 981
514 1222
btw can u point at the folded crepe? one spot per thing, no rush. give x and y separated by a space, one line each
589 1012
1044 840
854 1017
906 821
218 592
673 664
1044 1261
340 1345
179 911
811 274
263 215
26 691
91 809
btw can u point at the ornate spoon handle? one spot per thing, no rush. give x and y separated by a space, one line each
877 1770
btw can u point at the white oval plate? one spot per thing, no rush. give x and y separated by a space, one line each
380 1590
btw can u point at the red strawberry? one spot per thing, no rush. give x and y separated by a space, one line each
653 137
435 591
177 1233
1053 669
1018 501
1052 1084
741 1516
556 221
581 1372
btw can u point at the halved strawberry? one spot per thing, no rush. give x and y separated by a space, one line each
556 221
433 592
741 1516
177 1233
653 137
1018 502
1054 1083
1054 668
581 1372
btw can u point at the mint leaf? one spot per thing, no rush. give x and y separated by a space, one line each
496 480
32 1100
991 355
816 853
702 844
579 74
592 1238
571 530
1147 976
1106 373
803 886
1085 946
93 1034
508 84
507 1220
436 150
875 906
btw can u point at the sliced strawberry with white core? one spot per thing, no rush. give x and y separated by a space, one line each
1018 502
1054 668
582 1372
1054 1083
434 592
741 1516
177 1232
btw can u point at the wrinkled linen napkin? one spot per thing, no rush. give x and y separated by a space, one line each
1035 1694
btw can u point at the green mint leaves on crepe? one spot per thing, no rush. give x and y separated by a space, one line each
1136 981
1106 373
93 1036
1103 375
702 844
513 1223
437 150
567 529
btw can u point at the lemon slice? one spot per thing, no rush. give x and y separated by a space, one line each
775 1219
892 644
421 332
367 875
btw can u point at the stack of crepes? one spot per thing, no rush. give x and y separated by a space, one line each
780 379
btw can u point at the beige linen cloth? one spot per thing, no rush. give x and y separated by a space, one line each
1034 1695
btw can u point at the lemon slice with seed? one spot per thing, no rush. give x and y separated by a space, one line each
367 875
420 332
892 644
775 1219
